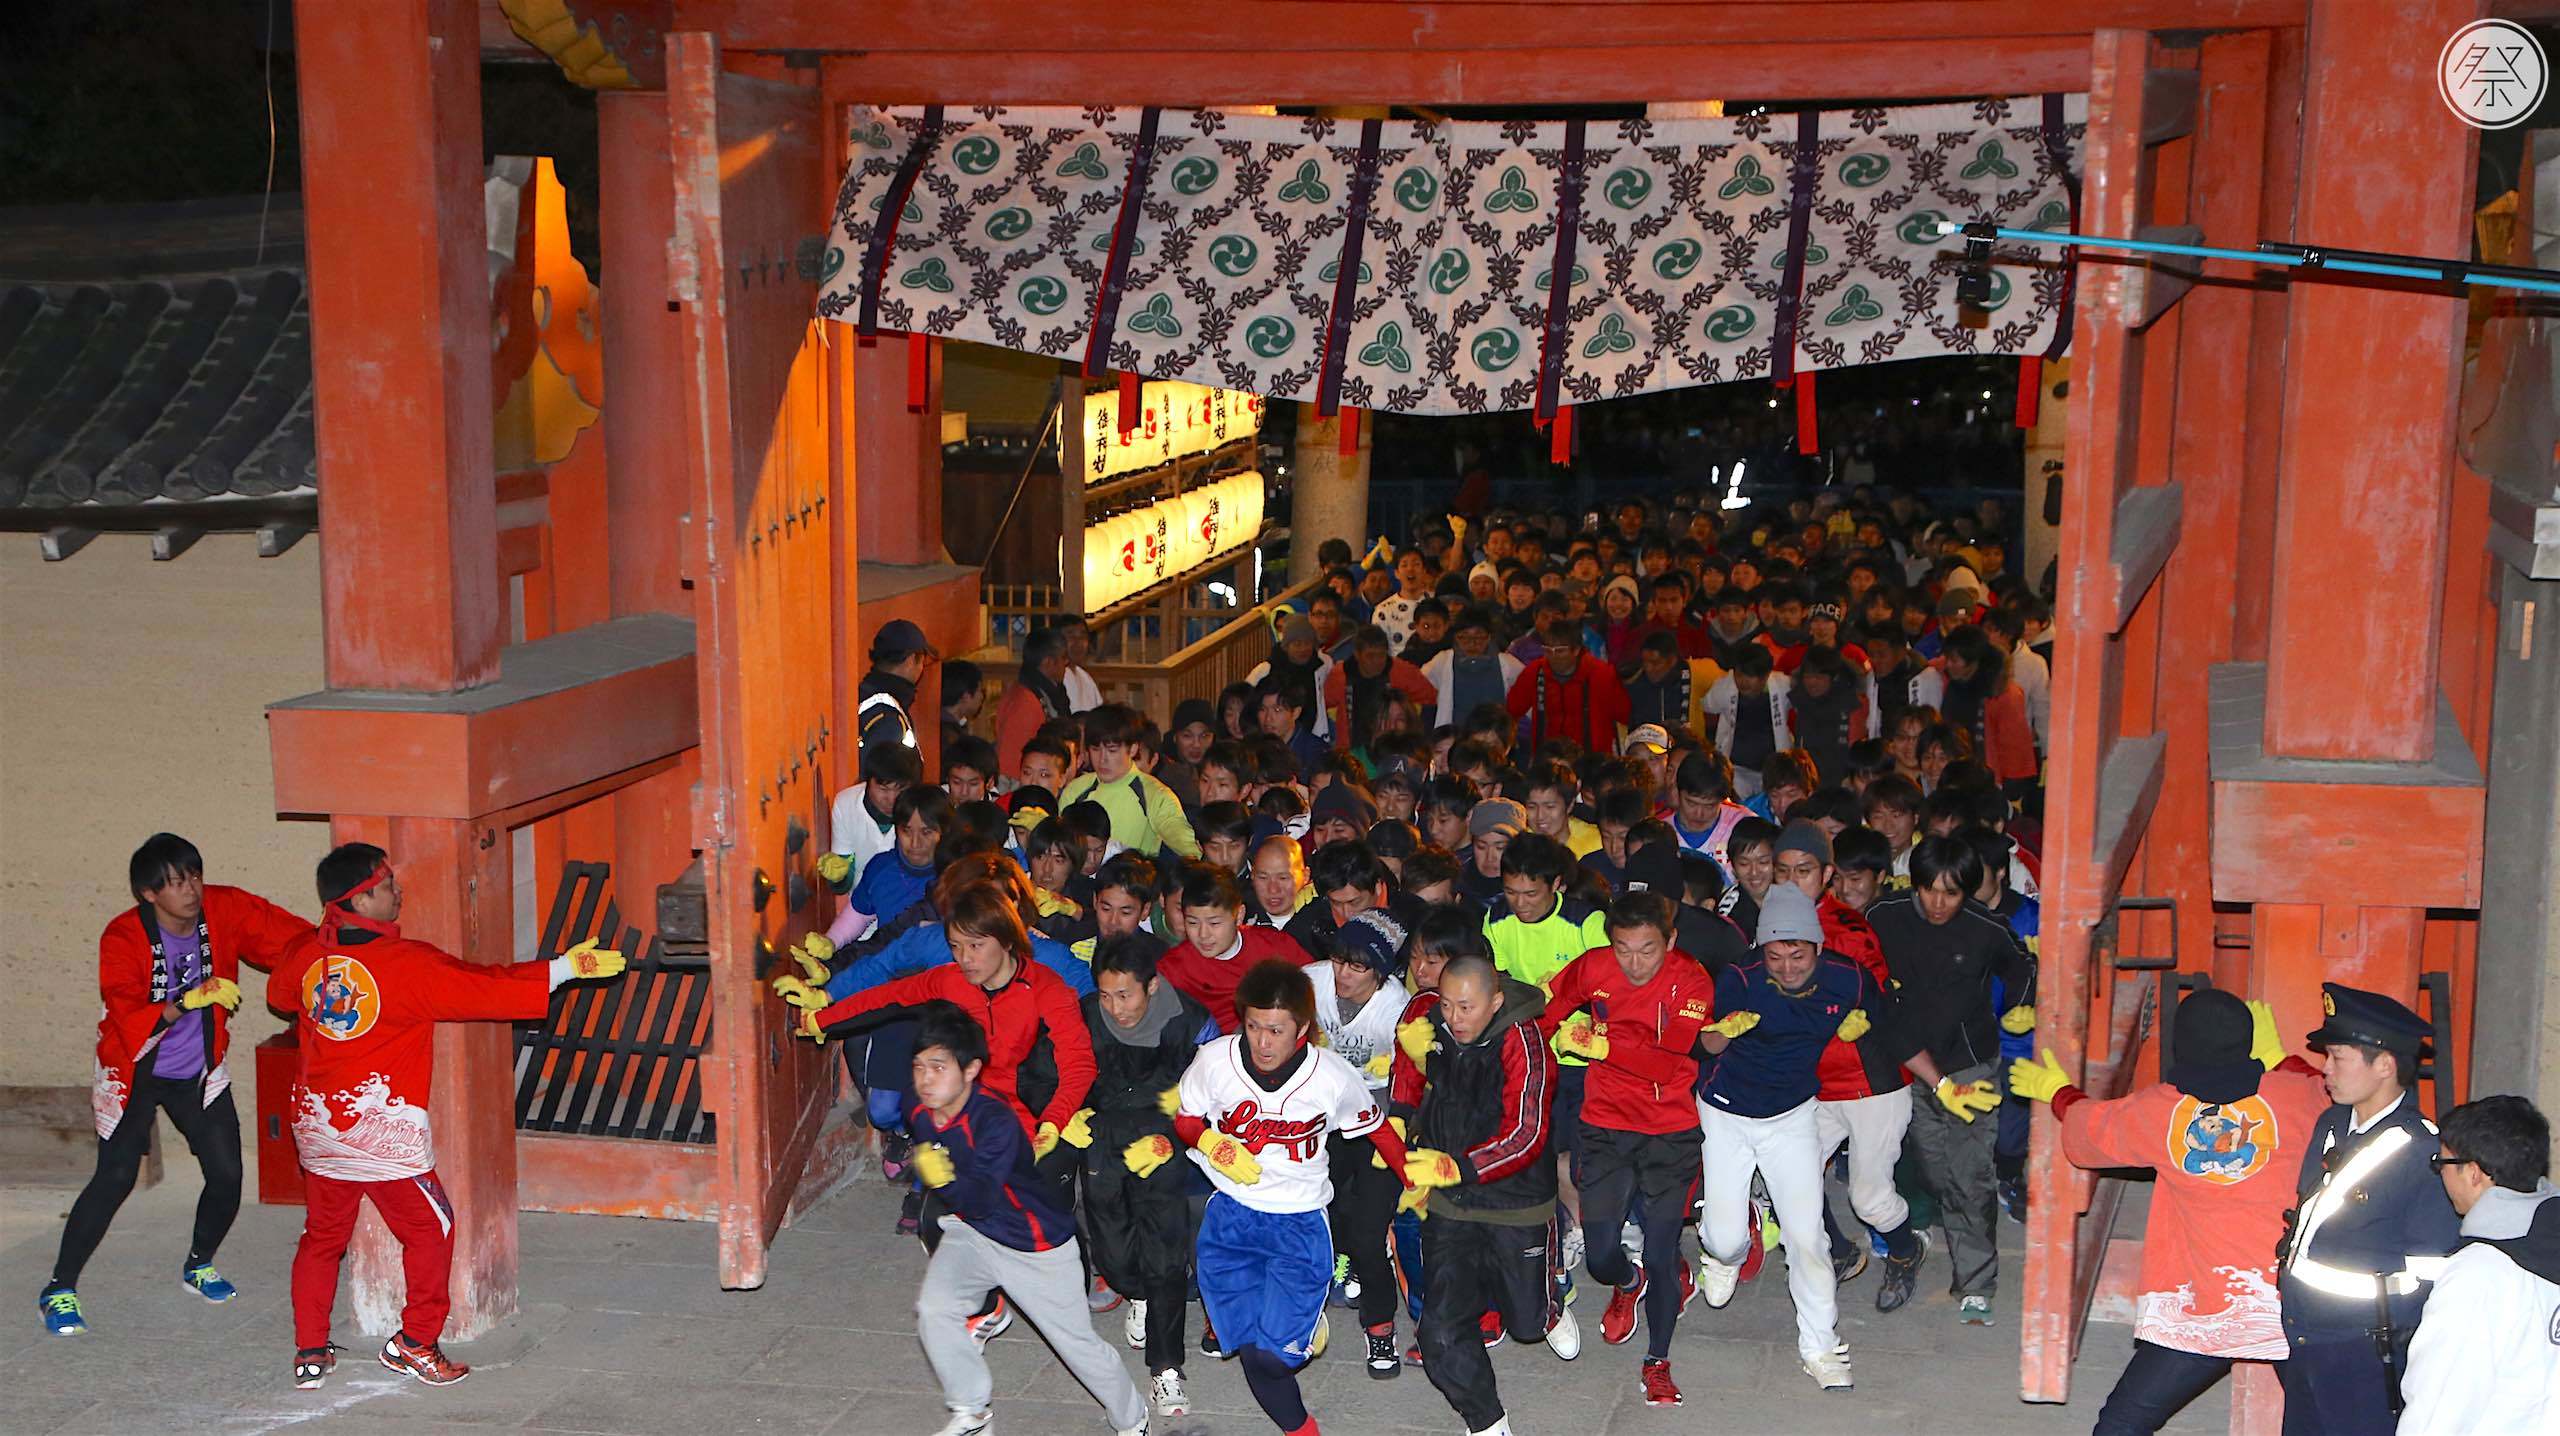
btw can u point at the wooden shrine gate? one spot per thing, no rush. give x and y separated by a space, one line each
771 585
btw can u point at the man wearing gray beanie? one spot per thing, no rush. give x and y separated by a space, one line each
1776 1016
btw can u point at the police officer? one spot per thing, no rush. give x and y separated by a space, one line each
2372 1227
899 654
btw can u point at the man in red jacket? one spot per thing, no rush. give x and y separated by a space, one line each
1217 949
1561 696
168 981
365 1003
1634 1009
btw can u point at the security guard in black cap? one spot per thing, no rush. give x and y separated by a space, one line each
899 653
2372 1228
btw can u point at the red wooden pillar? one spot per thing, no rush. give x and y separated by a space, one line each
396 240
2363 486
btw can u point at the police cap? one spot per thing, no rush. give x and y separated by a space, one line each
2367 1019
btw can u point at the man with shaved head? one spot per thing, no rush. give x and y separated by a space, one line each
1472 1081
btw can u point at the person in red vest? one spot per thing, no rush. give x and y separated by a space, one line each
365 1003
168 981
1561 696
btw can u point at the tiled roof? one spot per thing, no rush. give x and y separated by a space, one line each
153 353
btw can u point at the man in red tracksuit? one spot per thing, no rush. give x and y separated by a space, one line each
168 981
1564 695
1635 1008
365 1003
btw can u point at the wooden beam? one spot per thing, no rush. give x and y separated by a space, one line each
1579 74
171 540
2168 105
2359 844
2163 279
2128 790
1275 28
2145 531
277 539
62 541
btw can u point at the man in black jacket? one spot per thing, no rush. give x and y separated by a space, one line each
899 653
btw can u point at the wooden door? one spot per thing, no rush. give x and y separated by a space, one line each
749 163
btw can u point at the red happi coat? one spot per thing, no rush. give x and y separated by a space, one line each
133 994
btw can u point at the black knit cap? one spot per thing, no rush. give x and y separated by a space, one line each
2211 1048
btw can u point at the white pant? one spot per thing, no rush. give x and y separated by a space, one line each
1873 1127
1783 1150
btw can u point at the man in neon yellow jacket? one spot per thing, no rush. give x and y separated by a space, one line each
1145 815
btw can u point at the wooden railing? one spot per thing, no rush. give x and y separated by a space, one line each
1140 671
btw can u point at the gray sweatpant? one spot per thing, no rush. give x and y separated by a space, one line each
1956 1161
1047 1287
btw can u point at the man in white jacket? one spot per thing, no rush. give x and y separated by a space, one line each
2486 1358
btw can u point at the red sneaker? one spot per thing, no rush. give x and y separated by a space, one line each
1659 1388
1688 1285
1751 1259
1619 1321
428 1363
1491 1327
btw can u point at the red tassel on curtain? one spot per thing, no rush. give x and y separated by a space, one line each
1808 436
1349 429
2030 389
919 372
1128 402
1560 437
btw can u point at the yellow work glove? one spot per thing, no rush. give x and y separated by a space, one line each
1377 1158
1415 1039
587 960
1378 1066
1229 1158
1144 1155
1415 1200
835 868
798 993
812 953
1969 1101
804 1023
1169 1101
2265 1043
1855 1025
2037 1081
1078 1132
1044 1141
1579 1037
932 1162
2019 1020
212 992
1734 1024
1426 1168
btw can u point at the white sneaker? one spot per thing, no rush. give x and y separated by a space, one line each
1168 1395
1138 1430
1133 1326
1572 1247
1501 1427
1631 1241
984 1329
1565 1337
1716 1280
1830 1370
969 1423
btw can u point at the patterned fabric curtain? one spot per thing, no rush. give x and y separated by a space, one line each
1211 247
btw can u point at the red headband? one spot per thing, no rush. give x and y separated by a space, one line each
340 915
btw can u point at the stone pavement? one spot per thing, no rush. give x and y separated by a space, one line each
625 1329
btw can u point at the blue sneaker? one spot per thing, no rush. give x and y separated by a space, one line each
207 1282
61 1308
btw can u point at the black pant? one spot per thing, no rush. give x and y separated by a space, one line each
2157 1384
2337 1388
212 1131
1168 1306
1364 1203
1654 1178
1469 1268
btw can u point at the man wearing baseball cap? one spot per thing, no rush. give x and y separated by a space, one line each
1357 1003
2373 1227
899 654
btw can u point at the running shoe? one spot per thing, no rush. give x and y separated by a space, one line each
1565 1337
205 1282
1974 1310
1322 1338
312 1365
1573 1247
1209 1338
1133 1327
61 1308
1490 1325
426 1362
987 1325
968 1423
1658 1387
1167 1393
910 1213
1759 1252
1901 1277
1383 1365
1717 1280
1619 1322
1847 1263
896 1152
1830 1371
2013 1199
1688 1286
1101 1298
1345 1291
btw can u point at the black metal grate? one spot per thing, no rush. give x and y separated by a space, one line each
621 1058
